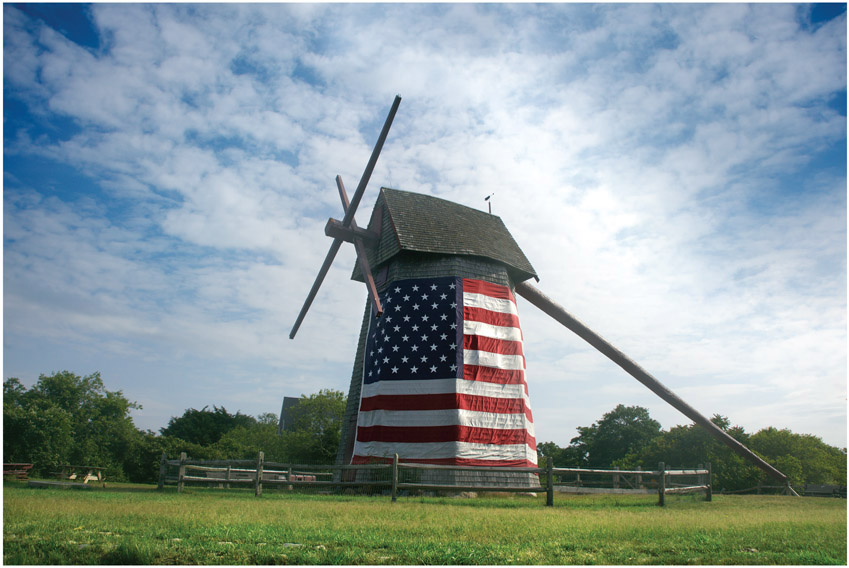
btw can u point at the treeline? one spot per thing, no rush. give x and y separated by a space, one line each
627 437
68 419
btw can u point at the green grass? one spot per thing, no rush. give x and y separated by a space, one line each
138 525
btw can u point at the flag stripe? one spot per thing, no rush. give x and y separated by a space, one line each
450 433
488 289
493 331
489 303
446 401
438 386
359 460
492 345
487 359
448 416
447 450
482 315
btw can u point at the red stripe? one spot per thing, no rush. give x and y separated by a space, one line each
490 345
452 433
488 289
487 316
493 375
446 401
359 460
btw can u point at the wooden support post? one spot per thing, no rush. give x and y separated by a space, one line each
549 483
639 479
289 477
163 469
395 478
661 484
709 492
616 479
260 458
227 477
181 472
578 482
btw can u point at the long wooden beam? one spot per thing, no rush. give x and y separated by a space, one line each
556 311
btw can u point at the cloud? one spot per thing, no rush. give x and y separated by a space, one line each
673 172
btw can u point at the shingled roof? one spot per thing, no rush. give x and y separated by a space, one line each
415 222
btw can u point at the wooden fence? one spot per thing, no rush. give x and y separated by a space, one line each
396 477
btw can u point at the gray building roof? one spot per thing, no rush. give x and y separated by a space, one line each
420 223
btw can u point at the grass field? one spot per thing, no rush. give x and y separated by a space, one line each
138 525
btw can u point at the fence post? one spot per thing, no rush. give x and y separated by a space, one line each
661 484
163 465
259 460
549 482
578 482
289 478
181 472
227 477
395 478
616 479
709 492
639 478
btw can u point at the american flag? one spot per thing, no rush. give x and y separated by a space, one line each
444 377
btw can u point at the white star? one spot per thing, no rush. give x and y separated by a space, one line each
405 338
424 296
453 305
414 369
433 305
443 317
453 326
380 350
443 358
453 367
386 359
415 327
415 288
443 296
424 337
397 289
406 298
415 306
395 348
433 286
433 369
433 347
433 327
406 318
424 358
388 319
443 337
404 359
452 286
394 369
397 328
414 348
398 307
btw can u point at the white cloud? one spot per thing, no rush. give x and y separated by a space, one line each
655 162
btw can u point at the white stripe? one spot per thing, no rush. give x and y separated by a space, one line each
489 303
441 450
497 360
449 417
441 386
493 331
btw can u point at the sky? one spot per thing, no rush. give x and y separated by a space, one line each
676 174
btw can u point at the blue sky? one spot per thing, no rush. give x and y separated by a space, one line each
675 173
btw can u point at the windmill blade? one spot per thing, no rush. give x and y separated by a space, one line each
361 188
349 215
547 305
328 260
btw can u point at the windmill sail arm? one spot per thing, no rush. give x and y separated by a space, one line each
547 305
328 260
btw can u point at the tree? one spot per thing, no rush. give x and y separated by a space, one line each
317 427
65 418
802 457
623 430
205 427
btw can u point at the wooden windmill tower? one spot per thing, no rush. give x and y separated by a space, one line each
439 371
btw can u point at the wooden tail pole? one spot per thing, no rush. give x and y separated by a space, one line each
547 305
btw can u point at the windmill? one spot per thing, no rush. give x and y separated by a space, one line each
439 371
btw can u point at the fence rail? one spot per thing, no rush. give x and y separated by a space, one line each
395 477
